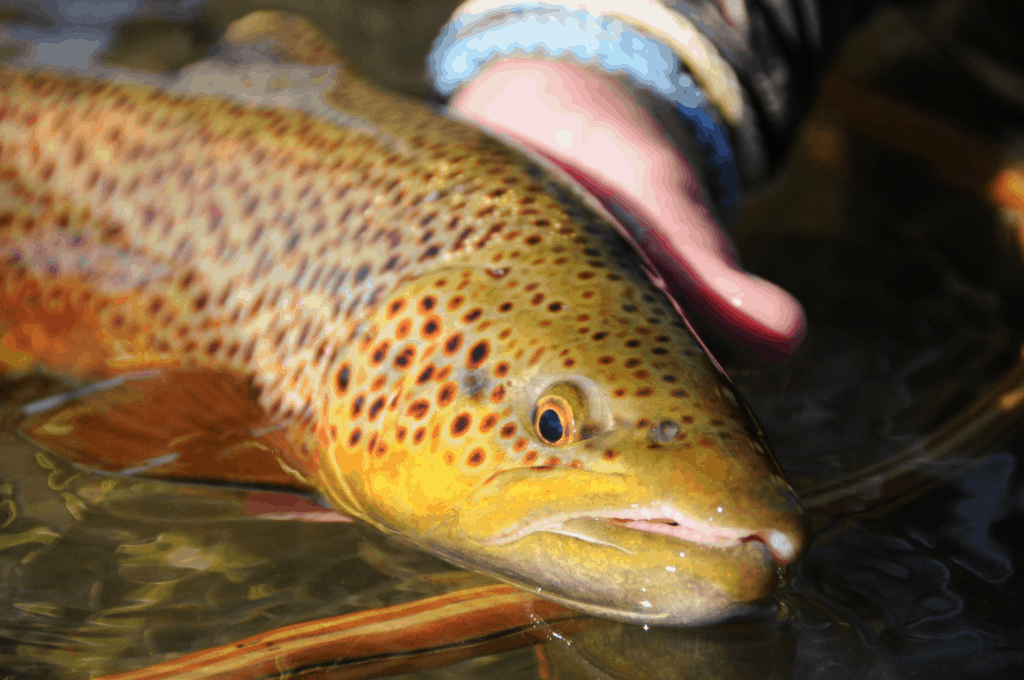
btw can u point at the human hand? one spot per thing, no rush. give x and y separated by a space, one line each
589 124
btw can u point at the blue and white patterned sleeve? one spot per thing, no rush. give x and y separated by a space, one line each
738 73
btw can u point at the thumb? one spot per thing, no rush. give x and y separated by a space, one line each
746 307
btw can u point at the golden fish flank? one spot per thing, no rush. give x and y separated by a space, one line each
461 351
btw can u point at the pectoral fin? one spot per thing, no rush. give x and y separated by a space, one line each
193 425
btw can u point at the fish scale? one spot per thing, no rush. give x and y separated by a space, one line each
396 290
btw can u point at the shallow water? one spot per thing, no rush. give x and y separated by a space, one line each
914 295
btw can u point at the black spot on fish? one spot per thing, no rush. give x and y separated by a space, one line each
461 424
452 344
478 353
425 375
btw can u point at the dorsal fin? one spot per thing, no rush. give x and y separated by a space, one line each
184 424
293 38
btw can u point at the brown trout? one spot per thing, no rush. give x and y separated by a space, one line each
361 298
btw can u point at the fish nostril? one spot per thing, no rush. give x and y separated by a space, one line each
666 431
781 546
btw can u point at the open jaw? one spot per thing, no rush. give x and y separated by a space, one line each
663 520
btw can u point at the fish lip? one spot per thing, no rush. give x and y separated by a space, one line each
655 520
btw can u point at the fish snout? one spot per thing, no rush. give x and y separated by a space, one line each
728 510
768 511
784 524
787 537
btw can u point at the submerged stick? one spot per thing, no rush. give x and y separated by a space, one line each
428 633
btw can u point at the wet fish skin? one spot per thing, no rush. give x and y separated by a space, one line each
401 291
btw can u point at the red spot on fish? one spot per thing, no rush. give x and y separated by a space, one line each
452 344
446 394
395 308
461 424
488 422
404 358
431 328
426 304
478 353
425 374
344 374
379 352
357 406
375 408
476 457
418 409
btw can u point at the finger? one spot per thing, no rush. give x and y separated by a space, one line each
757 312
698 262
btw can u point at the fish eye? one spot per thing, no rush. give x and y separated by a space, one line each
549 425
554 423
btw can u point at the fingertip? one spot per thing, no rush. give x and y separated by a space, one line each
770 309
760 314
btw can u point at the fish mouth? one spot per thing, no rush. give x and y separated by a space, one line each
664 520
601 544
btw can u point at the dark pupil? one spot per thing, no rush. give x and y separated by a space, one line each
550 426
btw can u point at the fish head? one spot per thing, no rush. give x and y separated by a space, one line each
583 446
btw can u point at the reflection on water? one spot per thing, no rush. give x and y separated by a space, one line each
101 574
